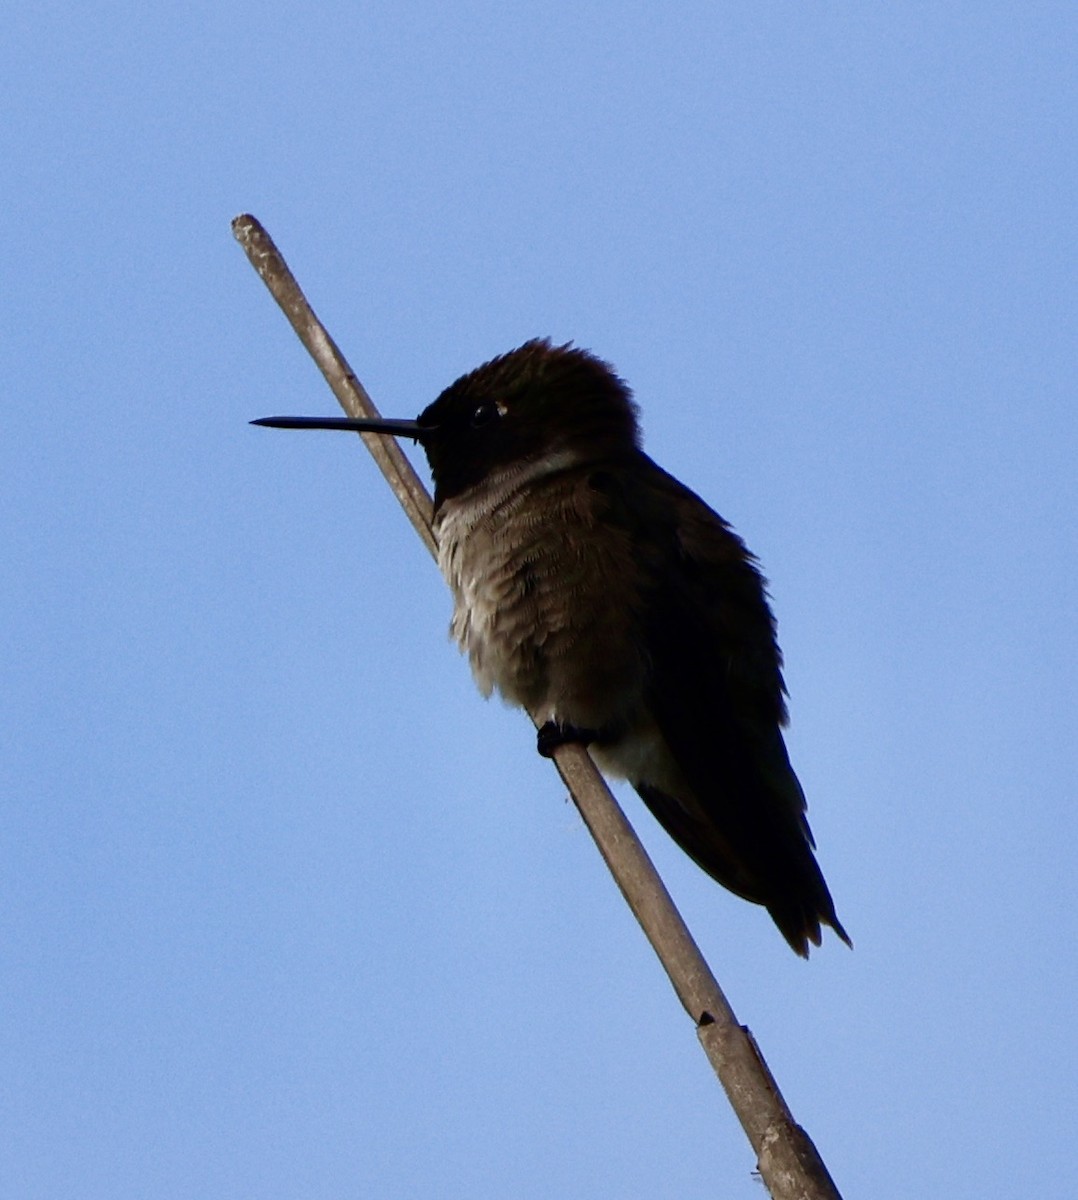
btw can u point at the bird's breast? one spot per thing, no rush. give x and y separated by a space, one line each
541 603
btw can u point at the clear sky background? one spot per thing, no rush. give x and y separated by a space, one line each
286 910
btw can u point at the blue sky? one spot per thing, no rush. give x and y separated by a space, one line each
285 908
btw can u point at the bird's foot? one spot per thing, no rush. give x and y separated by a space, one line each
552 735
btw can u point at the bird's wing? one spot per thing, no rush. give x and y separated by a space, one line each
716 694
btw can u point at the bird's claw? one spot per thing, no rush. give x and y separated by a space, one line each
552 735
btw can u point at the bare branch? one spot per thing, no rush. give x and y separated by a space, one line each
788 1162
273 270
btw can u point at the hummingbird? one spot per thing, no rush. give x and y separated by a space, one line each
593 589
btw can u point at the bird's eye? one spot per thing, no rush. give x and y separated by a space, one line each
483 414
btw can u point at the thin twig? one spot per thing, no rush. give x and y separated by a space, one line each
271 266
788 1162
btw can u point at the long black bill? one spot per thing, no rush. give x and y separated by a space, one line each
409 429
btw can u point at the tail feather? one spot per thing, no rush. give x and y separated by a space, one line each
801 924
783 876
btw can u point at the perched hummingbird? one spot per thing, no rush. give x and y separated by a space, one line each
598 592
